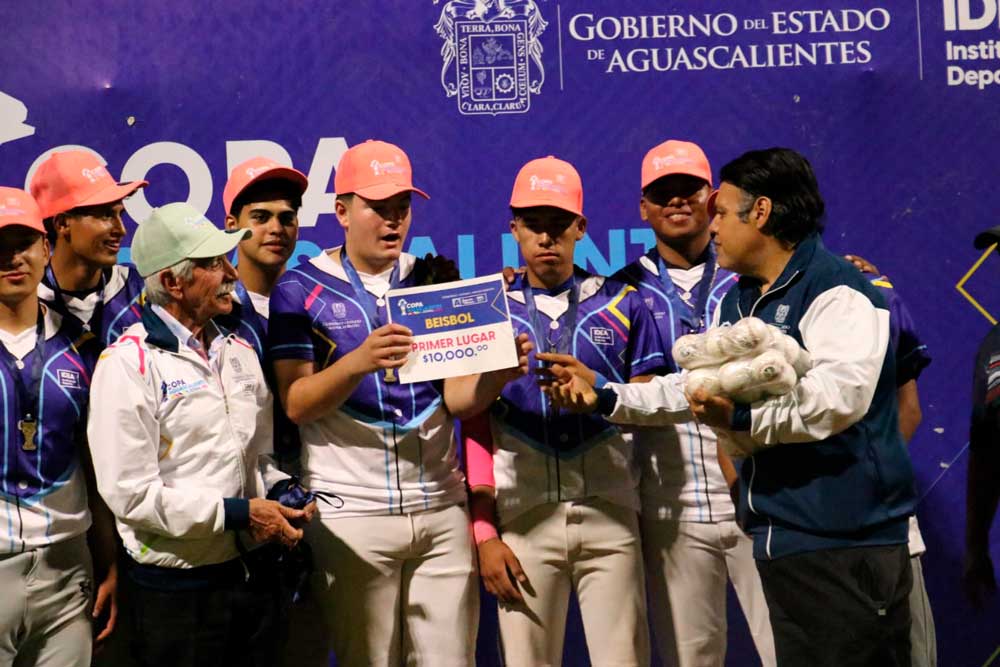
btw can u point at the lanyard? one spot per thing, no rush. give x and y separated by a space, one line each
28 393
96 319
696 323
366 299
563 343
368 302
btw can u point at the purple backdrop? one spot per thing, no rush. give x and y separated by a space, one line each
895 111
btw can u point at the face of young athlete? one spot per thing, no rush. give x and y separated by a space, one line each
738 241
209 292
675 206
547 237
94 233
24 253
275 229
375 229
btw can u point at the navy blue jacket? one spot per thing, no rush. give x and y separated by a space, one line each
830 468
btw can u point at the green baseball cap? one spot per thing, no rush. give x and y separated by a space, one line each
176 232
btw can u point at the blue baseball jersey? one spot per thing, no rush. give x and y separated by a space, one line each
544 456
43 484
681 478
107 311
912 355
389 448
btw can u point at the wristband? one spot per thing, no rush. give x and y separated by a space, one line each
483 530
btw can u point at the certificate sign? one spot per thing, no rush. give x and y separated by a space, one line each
459 328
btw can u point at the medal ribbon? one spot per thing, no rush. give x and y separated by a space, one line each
365 297
28 392
563 343
96 319
697 323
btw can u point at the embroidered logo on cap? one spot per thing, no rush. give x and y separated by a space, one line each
93 174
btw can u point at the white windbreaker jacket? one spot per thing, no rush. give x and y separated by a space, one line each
172 435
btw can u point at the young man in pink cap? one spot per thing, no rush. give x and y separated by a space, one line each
565 487
395 564
264 197
691 541
82 206
46 575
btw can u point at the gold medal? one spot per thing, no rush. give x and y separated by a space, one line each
28 428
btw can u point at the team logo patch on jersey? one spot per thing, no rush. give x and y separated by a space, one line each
492 54
237 366
339 310
602 336
781 314
649 302
69 379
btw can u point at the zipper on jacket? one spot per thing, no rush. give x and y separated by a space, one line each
217 376
753 473
770 292
229 419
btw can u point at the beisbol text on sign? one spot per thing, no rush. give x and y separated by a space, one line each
459 328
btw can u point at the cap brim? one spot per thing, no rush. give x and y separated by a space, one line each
221 242
279 173
540 200
680 171
34 226
112 193
386 190
987 238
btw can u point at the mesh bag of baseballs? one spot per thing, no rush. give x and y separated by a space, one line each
746 362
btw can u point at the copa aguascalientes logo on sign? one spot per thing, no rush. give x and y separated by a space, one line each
492 54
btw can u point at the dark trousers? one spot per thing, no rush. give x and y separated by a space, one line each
207 621
840 607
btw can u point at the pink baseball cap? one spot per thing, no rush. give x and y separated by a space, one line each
69 179
257 169
675 157
17 207
375 170
548 181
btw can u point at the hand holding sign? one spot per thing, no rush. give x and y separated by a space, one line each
524 348
385 348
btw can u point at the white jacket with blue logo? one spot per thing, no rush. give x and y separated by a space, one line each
176 439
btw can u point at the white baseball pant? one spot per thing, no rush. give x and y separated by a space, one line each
589 546
46 595
400 589
687 564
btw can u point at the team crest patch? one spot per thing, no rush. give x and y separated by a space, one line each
492 54
69 379
602 336
339 310
781 314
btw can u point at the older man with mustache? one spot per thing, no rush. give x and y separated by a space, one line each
181 433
